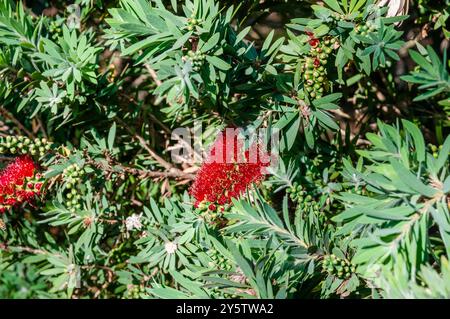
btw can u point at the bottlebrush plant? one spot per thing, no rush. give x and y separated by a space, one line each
118 178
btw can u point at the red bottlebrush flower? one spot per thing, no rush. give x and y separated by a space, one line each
316 62
18 183
314 42
229 170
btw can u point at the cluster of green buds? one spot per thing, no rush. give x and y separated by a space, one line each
24 145
211 213
219 260
314 68
296 192
197 59
366 28
73 200
338 267
193 22
435 150
72 175
55 28
119 254
303 197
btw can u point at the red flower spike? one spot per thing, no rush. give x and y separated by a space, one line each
18 183
228 170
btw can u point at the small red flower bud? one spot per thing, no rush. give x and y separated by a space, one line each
314 42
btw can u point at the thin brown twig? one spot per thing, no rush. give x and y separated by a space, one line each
6 114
